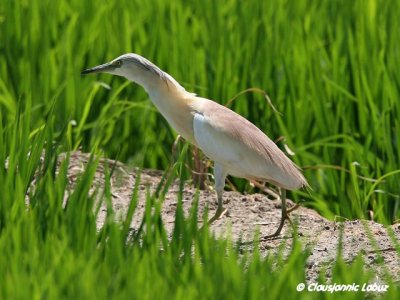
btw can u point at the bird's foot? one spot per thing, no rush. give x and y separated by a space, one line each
282 223
290 210
218 215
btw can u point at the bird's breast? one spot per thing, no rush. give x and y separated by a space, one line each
176 109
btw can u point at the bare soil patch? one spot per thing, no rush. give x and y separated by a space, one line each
246 213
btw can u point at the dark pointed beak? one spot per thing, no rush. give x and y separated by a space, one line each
104 68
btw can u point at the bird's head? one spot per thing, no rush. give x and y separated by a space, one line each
133 67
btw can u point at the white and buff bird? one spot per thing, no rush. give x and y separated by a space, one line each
236 146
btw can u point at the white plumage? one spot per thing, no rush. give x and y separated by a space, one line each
247 151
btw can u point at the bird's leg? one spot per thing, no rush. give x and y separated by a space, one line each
284 215
219 176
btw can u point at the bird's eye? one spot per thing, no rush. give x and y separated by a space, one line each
117 63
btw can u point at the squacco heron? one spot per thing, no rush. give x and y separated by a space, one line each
236 146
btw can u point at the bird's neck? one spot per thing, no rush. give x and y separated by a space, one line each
172 100
155 83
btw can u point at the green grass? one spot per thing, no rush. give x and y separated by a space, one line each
54 252
330 68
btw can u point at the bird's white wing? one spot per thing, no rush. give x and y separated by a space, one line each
242 148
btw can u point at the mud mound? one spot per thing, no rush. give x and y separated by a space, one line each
246 213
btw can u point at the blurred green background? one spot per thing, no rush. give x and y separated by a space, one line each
330 67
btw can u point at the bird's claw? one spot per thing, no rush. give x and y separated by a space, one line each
218 215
